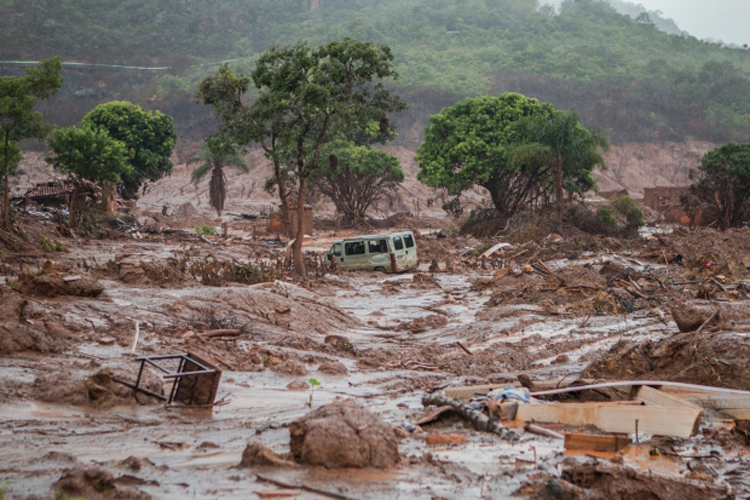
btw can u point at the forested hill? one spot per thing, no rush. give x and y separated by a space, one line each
626 75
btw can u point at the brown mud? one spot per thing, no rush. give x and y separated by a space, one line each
558 308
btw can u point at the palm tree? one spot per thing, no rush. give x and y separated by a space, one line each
216 153
562 145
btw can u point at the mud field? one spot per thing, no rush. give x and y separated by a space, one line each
323 381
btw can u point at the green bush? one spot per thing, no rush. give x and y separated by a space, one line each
607 216
625 205
205 230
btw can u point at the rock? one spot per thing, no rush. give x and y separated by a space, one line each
185 210
272 361
343 434
256 454
107 340
94 484
562 358
333 368
298 385
690 316
338 342
291 367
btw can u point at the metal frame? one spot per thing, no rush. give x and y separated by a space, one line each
177 376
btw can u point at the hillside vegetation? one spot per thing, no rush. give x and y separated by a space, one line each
623 74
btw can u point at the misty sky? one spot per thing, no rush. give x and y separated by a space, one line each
725 20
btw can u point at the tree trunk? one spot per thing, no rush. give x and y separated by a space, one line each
299 263
6 189
109 198
559 190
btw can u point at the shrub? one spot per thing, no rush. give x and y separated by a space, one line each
607 216
627 207
205 230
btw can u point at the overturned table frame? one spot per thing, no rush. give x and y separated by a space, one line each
195 381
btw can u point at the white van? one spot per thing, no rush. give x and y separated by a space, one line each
391 253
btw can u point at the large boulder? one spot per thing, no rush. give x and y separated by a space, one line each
343 434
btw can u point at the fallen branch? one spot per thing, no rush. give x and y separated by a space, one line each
220 333
700 328
464 349
288 486
479 420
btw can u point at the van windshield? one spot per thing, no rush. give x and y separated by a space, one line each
377 246
409 240
397 243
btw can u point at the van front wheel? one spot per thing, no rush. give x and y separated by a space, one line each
381 269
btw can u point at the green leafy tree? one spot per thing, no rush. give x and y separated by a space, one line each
356 177
87 154
149 136
562 146
224 93
725 183
217 152
471 143
18 121
303 94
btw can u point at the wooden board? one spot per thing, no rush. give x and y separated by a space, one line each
616 418
655 397
468 392
595 443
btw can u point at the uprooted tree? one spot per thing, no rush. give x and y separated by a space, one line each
149 136
725 183
519 149
87 154
18 121
217 153
356 177
304 94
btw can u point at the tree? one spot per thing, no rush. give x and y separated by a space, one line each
725 183
303 93
355 177
87 154
18 121
470 143
560 144
149 136
224 93
216 153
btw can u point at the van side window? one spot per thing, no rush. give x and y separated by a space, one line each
354 248
337 250
409 240
377 246
397 243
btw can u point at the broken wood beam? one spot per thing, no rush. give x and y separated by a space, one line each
479 420
541 431
615 418
220 333
596 443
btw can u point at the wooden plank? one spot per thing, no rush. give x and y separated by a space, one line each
467 392
655 397
662 384
654 420
595 443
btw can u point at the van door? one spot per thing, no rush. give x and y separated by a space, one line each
399 253
355 255
378 255
411 250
